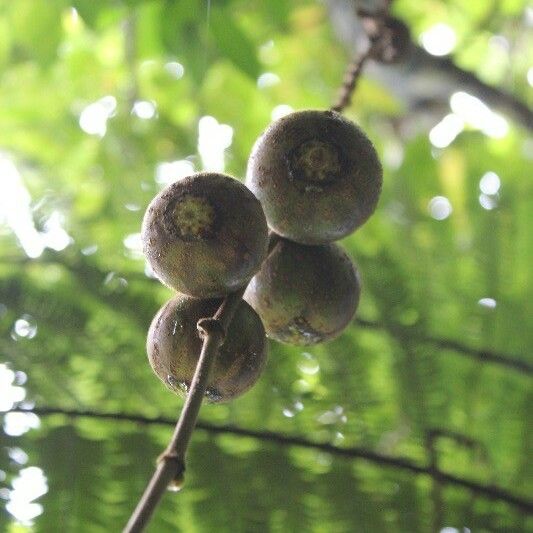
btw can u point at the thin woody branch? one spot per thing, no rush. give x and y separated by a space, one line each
351 77
355 67
171 463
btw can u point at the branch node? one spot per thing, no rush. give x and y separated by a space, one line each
211 326
171 456
168 455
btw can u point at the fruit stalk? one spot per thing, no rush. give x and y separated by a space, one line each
171 463
355 67
350 81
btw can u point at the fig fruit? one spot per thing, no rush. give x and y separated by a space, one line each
317 176
205 235
305 294
174 346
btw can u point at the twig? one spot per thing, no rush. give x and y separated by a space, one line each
436 489
351 76
171 463
355 67
488 491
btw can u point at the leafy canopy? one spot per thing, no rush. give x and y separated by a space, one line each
103 104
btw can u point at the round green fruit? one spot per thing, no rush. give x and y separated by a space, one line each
317 176
174 346
305 294
205 235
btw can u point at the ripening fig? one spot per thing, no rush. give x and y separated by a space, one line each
305 294
205 235
317 176
174 346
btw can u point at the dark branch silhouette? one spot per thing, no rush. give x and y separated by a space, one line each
480 354
351 77
489 491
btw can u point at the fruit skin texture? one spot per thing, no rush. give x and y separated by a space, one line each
173 346
317 176
305 294
205 235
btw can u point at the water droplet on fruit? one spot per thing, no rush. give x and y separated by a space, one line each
177 385
177 328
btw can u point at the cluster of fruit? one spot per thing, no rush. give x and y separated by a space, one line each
313 177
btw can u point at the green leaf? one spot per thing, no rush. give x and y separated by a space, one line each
232 43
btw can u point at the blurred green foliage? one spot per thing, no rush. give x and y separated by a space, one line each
101 105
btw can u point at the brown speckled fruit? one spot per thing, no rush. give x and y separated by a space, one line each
205 235
305 294
317 176
174 346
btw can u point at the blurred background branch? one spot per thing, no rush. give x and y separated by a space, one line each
423 82
491 492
